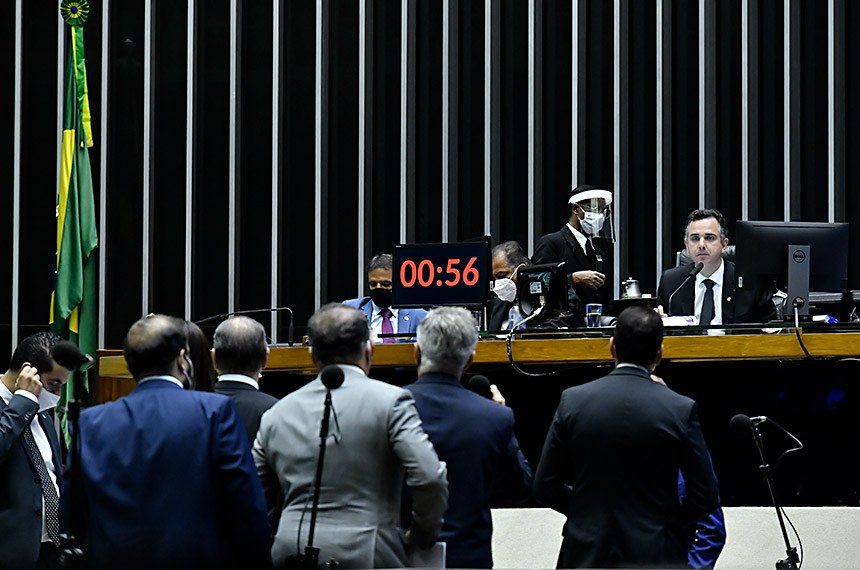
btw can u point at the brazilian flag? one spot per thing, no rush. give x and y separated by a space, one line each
74 308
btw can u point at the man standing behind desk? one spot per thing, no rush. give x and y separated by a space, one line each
473 435
30 461
579 245
166 472
377 306
612 456
712 297
375 440
241 353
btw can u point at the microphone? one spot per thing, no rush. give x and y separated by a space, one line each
741 423
68 355
250 312
693 272
332 376
480 385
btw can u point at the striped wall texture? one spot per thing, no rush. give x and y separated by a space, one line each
256 154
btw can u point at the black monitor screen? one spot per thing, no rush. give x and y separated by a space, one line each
761 256
434 274
543 284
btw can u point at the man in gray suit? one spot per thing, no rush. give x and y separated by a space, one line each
375 440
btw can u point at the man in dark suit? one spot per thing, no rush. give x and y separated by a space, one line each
583 249
612 456
376 307
30 460
504 313
472 434
712 296
241 353
166 472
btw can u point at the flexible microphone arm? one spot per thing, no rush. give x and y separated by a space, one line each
693 272
250 312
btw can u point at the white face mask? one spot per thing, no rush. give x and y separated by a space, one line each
592 223
505 289
47 400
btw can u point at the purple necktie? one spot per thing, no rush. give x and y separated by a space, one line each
386 324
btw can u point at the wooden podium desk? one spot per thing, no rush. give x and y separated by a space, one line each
114 380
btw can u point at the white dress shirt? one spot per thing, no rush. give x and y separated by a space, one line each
239 378
580 237
717 278
376 321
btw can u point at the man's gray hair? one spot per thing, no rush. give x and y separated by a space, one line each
447 337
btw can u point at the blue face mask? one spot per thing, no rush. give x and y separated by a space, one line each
592 223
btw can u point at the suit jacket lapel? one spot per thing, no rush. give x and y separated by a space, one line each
574 246
684 301
48 427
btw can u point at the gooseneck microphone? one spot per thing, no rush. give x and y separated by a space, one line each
693 272
480 385
740 423
332 377
251 312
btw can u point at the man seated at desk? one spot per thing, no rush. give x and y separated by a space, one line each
712 297
377 306
504 310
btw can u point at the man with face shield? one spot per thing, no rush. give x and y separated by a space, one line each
508 258
166 473
584 245
381 316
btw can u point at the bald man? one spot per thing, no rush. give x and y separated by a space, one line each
166 471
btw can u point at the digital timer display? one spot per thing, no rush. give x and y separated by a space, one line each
433 274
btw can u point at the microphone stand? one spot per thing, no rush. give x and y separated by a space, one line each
791 561
310 559
71 555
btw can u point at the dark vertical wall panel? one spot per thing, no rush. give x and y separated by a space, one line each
125 177
167 235
297 182
7 141
599 51
428 114
813 110
770 106
852 134
470 193
210 253
685 117
385 213
642 132
343 155
557 98
254 263
38 165
728 110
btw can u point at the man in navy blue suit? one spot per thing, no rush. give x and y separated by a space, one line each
166 472
472 434
381 316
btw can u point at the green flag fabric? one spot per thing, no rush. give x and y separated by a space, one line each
74 309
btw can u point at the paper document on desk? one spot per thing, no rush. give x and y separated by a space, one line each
433 557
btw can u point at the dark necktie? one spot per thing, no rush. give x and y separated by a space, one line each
707 303
48 490
387 328
591 254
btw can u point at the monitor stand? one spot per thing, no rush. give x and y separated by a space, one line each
798 282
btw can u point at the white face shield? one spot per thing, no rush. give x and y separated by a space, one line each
597 213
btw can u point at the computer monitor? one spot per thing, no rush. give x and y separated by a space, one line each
796 257
542 285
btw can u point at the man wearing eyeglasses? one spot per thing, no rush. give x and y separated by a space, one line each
712 297
583 244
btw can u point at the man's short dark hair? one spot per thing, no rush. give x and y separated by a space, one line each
152 344
338 334
35 349
240 345
513 252
380 261
697 215
638 336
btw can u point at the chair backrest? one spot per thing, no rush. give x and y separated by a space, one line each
682 258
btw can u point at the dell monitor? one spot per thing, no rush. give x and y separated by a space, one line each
544 286
796 257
